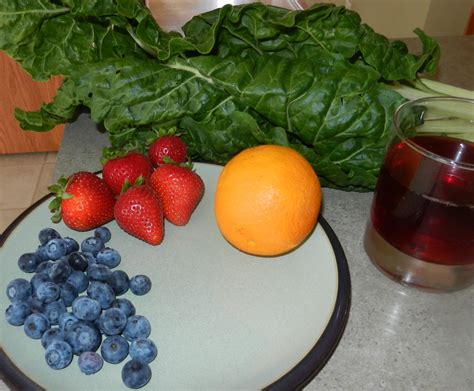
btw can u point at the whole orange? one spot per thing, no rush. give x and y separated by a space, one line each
267 200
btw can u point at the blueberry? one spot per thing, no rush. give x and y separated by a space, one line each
108 256
137 327
86 308
19 289
41 253
92 245
90 362
56 248
78 280
16 313
143 349
140 285
53 311
101 292
136 374
90 258
46 234
83 336
36 305
28 262
125 305
114 349
44 267
99 272
112 321
103 233
60 271
119 282
66 320
48 291
58 354
71 244
68 293
37 280
78 261
50 335
35 325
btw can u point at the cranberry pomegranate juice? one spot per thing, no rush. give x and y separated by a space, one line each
425 208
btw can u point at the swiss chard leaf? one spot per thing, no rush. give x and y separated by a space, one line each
324 28
342 114
21 19
48 39
239 76
392 59
338 115
126 94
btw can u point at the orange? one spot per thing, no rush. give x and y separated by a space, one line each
267 200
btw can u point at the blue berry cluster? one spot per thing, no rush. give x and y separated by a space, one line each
71 305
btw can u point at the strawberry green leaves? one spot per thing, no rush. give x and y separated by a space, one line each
59 191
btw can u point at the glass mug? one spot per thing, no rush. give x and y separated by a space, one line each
421 226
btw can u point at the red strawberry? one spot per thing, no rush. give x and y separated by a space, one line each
138 212
180 189
129 167
171 146
84 201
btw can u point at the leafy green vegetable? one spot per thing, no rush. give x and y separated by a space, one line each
319 30
316 80
49 39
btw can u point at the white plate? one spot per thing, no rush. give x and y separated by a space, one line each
222 319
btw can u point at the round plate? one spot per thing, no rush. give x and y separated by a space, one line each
221 319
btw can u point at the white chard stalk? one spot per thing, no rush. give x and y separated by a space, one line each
449 119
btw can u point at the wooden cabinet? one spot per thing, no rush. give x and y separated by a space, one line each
17 89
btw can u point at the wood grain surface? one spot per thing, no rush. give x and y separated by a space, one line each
17 89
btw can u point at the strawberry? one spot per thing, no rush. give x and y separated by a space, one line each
180 189
139 213
83 201
170 146
126 168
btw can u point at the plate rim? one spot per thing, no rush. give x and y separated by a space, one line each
295 379
310 365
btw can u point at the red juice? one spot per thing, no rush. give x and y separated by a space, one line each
423 211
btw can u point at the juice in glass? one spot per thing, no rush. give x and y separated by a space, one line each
421 226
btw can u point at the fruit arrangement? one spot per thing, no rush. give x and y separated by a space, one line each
72 305
139 191
267 202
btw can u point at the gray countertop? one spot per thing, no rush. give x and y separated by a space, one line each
396 338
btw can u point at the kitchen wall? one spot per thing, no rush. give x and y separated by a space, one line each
398 18
393 18
448 17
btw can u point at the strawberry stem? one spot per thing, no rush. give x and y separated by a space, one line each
59 190
126 185
188 164
139 181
